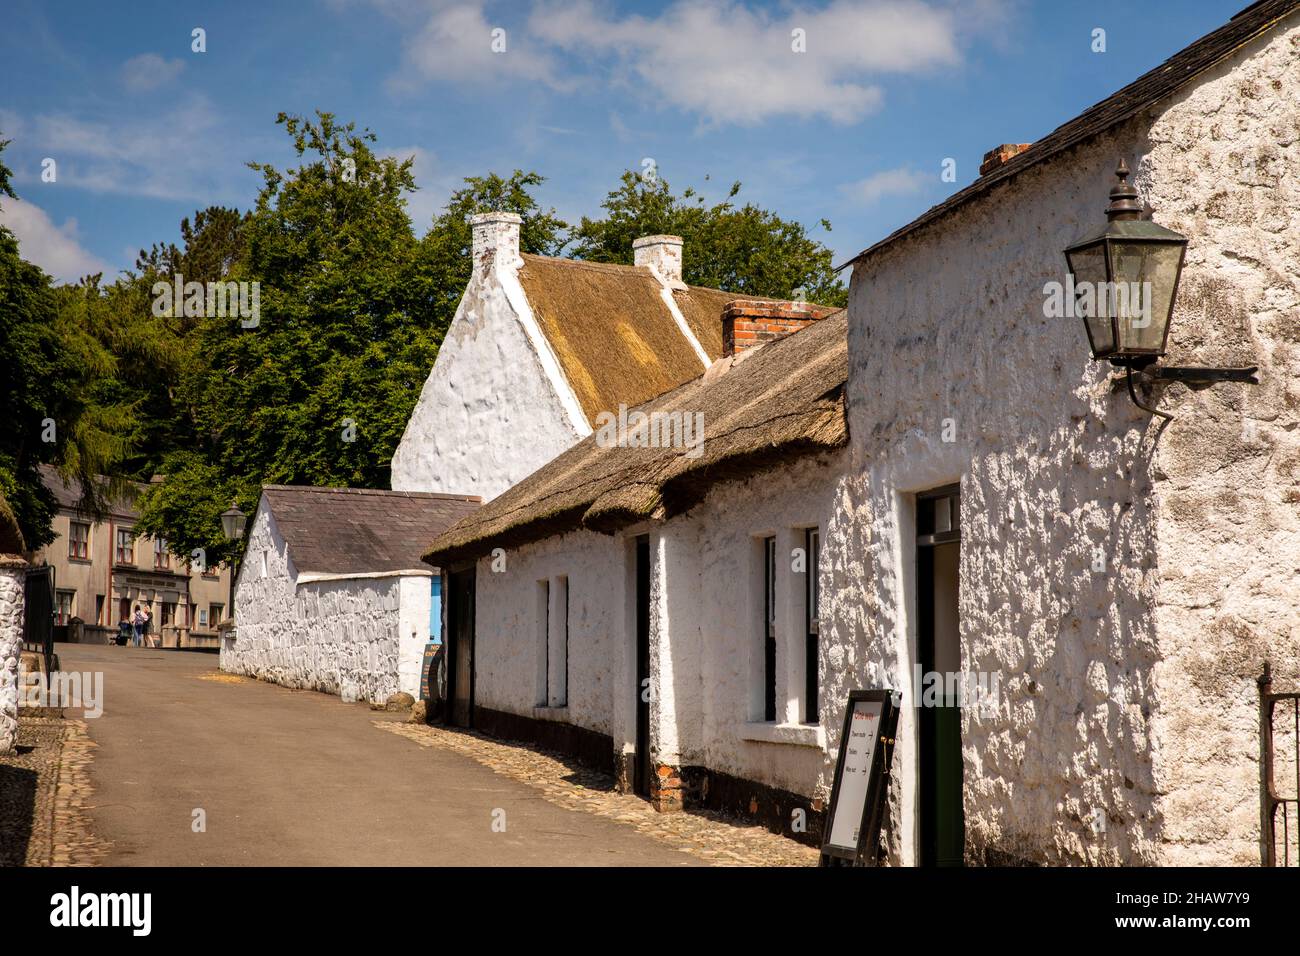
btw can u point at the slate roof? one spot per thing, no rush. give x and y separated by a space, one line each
359 530
68 494
776 402
1139 95
615 338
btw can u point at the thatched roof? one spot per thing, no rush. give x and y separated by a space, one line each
360 530
1143 93
615 338
781 400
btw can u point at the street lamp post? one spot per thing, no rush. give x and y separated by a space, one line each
232 525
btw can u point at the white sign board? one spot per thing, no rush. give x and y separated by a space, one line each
855 778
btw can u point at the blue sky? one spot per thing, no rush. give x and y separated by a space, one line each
144 130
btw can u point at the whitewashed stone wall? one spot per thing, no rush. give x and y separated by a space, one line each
508 628
706 609
337 636
495 407
1126 694
707 592
11 643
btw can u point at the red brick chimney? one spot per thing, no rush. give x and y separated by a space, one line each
750 323
996 157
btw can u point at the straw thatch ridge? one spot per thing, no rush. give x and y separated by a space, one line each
772 404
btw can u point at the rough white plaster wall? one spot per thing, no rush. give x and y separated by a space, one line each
1055 463
11 644
506 628
338 636
413 630
1224 168
488 415
704 628
713 599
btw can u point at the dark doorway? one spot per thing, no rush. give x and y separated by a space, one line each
641 759
460 645
938 550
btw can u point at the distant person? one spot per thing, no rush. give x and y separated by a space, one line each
148 627
137 627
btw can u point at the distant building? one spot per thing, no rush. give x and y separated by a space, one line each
102 571
332 595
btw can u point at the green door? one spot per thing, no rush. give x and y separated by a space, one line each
942 820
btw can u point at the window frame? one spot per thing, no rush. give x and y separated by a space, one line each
812 625
129 550
83 552
769 629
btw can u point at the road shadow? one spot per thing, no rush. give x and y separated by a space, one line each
17 806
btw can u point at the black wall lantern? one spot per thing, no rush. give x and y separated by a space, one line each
1125 282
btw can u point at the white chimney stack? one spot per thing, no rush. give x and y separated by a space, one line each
496 239
663 254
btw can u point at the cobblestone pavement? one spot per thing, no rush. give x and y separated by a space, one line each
713 837
44 795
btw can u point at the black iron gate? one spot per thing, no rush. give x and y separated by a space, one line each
38 614
1288 834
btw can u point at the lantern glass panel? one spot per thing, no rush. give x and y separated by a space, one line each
1145 277
1088 266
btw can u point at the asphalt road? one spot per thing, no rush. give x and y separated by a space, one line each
299 778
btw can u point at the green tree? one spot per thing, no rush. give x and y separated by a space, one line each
742 249
319 391
55 357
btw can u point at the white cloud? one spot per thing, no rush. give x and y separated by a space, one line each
456 43
182 154
729 64
149 71
56 249
903 181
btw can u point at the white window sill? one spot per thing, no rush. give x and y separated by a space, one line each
800 735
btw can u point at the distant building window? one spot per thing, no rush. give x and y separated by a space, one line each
162 558
63 606
168 614
216 613
125 547
79 540
263 563
203 618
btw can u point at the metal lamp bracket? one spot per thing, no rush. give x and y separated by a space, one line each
1193 376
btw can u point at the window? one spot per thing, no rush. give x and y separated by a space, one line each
769 628
101 617
63 607
216 613
263 562
203 618
812 611
168 614
553 642
125 547
162 558
79 540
